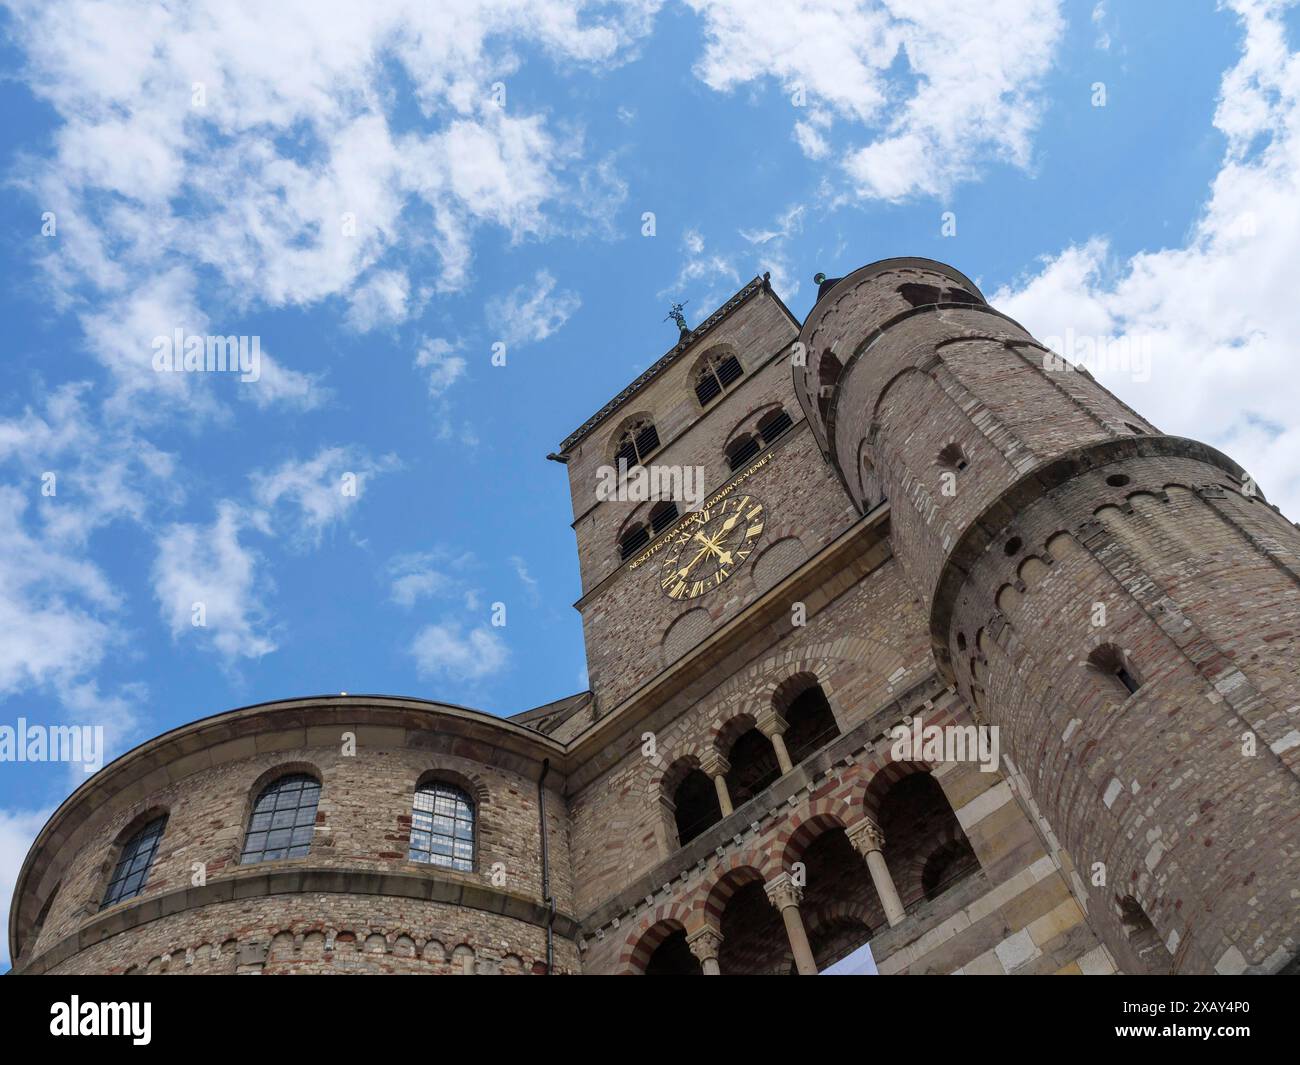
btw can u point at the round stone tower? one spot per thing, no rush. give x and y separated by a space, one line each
1122 604
350 834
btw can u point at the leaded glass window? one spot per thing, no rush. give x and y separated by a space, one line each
442 827
284 818
133 864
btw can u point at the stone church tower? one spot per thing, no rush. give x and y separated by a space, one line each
900 518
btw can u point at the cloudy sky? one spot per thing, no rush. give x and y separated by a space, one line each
385 194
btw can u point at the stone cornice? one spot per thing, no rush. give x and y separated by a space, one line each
426 884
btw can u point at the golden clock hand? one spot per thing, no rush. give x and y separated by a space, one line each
691 564
729 524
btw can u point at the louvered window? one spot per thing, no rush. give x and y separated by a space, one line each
717 373
663 516
773 425
637 443
633 541
742 451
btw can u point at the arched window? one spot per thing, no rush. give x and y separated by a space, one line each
919 295
1110 664
132 870
828 372
754 767
716 372
673 957
662 516
632 541
741 450
695 806
945 865
773 424
953 457
45 910
810 723
442 827
1150 949
283 820
637 443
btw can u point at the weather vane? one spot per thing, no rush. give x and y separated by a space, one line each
676 315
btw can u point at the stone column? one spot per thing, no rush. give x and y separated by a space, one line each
716 766
773 726
786 895
869 841
705 945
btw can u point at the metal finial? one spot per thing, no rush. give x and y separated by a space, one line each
818 278
677 316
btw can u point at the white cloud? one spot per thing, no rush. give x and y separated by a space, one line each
18 829
56 609
323 488
969 94
531 312
427 574
59 614
451 651
712 276
810 141
1098 20
381 300
280 180
526 579
441 366
1219 314
210 567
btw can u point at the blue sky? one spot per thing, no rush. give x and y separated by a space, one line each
1115 171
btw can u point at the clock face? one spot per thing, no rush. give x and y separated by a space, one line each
710 545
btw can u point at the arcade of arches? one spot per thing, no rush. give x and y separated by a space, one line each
750 755
837 887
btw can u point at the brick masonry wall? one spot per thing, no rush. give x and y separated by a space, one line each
326 933
864 649
627 620
1200 592
688 434
1155 787
1016 914
984 613
363 823
630 622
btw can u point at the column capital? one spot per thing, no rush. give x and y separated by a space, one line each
770 722
705 943
714 764
866 837
783 891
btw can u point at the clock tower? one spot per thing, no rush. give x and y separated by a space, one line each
735 493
